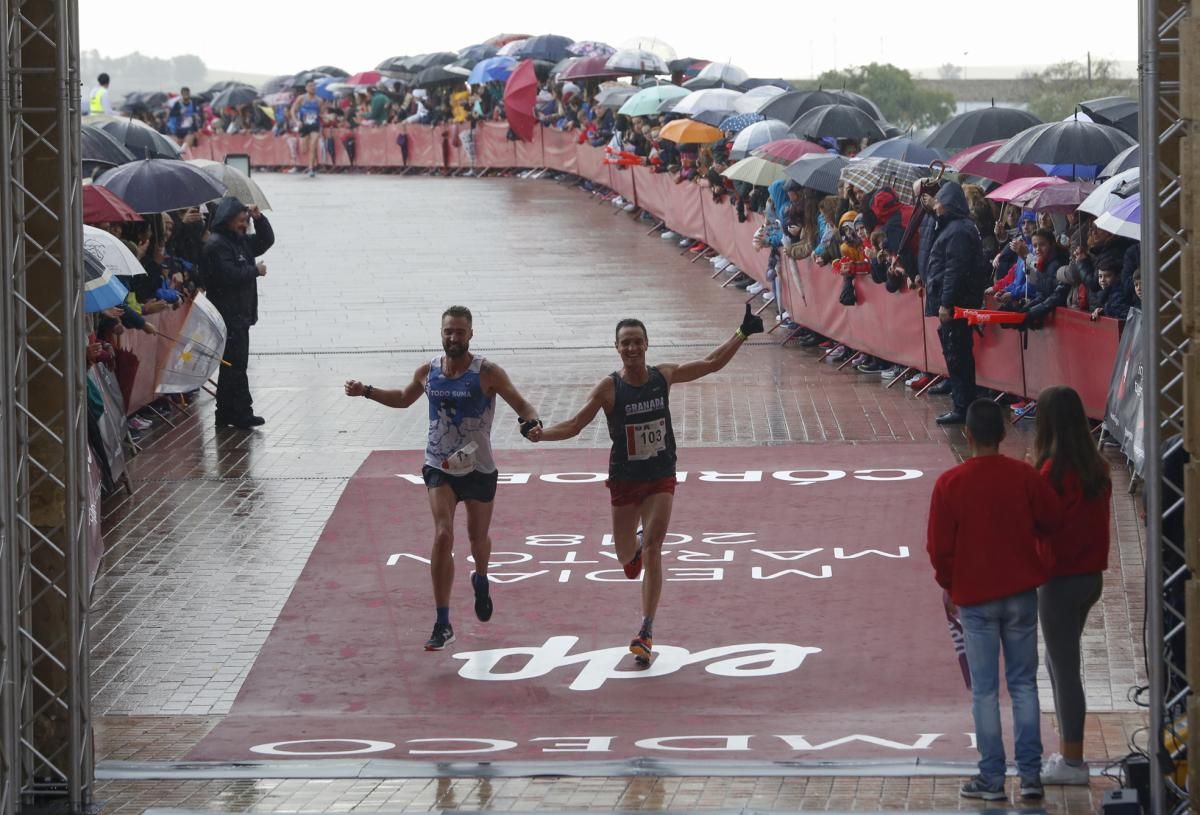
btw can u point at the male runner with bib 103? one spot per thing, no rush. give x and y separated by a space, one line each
641 467
462 391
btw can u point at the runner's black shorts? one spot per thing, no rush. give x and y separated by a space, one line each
474 486
306 129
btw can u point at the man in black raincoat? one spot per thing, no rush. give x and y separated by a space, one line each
230 275
955 278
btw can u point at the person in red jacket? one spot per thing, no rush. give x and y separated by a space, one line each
987 555
1066 455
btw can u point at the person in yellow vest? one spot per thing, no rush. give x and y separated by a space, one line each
98 99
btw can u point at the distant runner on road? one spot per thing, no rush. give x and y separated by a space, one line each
641 467
462 390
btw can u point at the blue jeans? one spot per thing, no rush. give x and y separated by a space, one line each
1009 623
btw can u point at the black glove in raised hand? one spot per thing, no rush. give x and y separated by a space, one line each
751 324
529 424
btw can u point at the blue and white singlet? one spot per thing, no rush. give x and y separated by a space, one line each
460 421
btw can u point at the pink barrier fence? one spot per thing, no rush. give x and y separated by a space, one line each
1070 350
152 354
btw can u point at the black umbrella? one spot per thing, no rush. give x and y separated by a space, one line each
861 102
397 65
272 85
713 117
225 85
1120 112
686 65
788 107
437 75
233 98
1069 142
704 83
475 53
817 172
547 47
329 70
154 185
977 126
437 58
139 138
304 77
836 121
1127 159
98 146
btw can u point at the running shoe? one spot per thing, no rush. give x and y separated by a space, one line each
1056 770
918 382
980 787
443 635
483 599
1031 788
633 568
769 297
686 242
892 372
668 235
755 288
859 359
641 647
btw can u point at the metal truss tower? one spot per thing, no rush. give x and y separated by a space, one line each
46 756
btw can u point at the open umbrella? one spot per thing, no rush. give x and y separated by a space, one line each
637 62
1124 219
686 131
196 354
331 70
591 48
394 65
475 53
273 85
652 44
139 138
510 49
647 101
705 83
790 105
156 185
1110 192
1056 197
327 88
980 125
760 82
1069 142
593 67
756 171
111 252
226 84
861 102
1120 112
688 66
976 161
870 174
436 75
365 79
739 122
755 136
1127 159
234 97
100 146
723 72
520 95
492 69
714 117
817 172
713 99
754 98
101 289
547 47
787 149
102 205
837 121
902 148
430 60
1019 186
304 77
614 96
237 183
501 40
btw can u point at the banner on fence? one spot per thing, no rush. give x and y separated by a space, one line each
1123 417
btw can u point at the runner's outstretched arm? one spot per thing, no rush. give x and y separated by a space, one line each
495 380
600 396
396 398
719 357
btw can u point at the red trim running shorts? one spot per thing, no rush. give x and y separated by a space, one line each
624 493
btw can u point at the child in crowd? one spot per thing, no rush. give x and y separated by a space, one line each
1113 301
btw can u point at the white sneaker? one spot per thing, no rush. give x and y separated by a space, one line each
668 235
732 269
618 201
892 372
769 297
717 260
630 207
1056 770
755 288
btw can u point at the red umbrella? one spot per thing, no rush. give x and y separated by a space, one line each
974 161
520 95
1018 186
590 68
785 151
101 205
1056 197
363 78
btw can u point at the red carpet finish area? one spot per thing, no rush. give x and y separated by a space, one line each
771 644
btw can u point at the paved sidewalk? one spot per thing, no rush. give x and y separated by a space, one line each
203 555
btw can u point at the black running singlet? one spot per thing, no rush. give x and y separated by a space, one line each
640 428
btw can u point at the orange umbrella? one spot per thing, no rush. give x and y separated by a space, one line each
687 131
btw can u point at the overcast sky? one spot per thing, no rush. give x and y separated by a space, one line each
767 38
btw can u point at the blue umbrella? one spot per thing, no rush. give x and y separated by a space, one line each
323 90
738 123
1071 170
101 289
493 69
903 149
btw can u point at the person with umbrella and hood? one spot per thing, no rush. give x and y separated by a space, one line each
956 277
230 275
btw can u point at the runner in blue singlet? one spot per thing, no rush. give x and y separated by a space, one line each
641 467
462 390
306 113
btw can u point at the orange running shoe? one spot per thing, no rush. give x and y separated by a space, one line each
642 648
